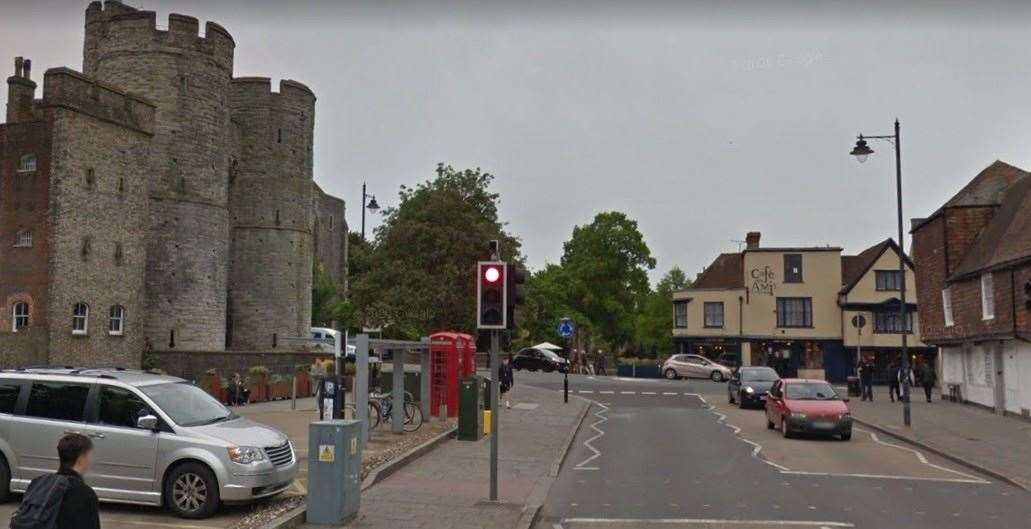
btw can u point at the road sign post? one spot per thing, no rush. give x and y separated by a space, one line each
566 328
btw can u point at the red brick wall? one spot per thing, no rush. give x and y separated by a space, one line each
24 204
928 253
962 226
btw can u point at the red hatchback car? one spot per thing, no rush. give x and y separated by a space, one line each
798 405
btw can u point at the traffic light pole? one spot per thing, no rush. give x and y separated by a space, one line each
495 378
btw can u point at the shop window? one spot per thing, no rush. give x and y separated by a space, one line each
19 316
890 280
794 312
889 322
792 268
680 314
117 321
27 163
812 356
713 314
987 297
80 319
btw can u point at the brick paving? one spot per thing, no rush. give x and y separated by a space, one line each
447 488
1000 445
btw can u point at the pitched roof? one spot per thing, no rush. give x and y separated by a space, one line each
1007 237
986 189
853 267
727 271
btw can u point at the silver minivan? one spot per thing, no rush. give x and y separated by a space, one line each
157 440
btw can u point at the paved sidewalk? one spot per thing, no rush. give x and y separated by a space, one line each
998 445
448 487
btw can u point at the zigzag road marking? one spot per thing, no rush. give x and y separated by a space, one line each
597 453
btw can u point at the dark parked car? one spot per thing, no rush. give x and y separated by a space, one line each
749 385
532 359
797 405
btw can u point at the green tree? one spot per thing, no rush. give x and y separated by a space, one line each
655 323
421 272
607 263
329 306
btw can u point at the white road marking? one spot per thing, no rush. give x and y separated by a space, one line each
881 476
606 392
647 393
601 433
705 521
756 447
670 393
586 391
628 393
920 457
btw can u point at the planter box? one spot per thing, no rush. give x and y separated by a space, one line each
303 383
259 389
279 390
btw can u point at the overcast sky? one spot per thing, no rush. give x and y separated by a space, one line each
700 120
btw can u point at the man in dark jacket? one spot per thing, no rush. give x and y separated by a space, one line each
79 506
866 379
506 379
927 378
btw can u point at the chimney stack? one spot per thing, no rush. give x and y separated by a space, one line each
752 240
21 92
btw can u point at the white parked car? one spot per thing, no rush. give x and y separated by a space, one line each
327 338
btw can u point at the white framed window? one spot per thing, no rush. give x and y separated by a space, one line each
80 318
27 163
987 297
947 306
23 239
19 316
117 322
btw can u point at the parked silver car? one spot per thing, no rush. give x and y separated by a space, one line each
158 440
694 366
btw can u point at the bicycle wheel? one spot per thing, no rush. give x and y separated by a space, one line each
374 415
413 417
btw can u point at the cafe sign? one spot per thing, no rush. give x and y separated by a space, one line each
763 281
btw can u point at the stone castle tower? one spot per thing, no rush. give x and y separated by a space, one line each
229 241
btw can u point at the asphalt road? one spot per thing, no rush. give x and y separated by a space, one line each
674 454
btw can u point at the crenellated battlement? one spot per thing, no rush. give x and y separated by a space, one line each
260 88
116 26
67 88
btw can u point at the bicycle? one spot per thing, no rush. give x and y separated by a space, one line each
385 404
373 414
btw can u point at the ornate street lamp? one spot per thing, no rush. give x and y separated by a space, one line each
371 206
861 151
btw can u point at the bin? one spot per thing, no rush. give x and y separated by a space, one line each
854 389
470 408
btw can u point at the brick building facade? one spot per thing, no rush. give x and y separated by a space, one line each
973 263
154 201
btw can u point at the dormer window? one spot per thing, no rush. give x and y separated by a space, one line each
27 163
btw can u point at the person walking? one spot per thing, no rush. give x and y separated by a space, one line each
507 379
62 500
599 364
903 376
866 379
894 380
927 378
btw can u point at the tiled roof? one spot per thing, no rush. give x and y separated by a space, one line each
1007 238
854 266
727 271
986 189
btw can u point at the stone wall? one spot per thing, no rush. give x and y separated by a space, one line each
25 348
330 234
192 365
187 77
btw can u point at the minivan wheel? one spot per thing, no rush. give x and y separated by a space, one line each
5 480
670 373
716 376
191 491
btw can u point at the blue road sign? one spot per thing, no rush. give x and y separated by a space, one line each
566 328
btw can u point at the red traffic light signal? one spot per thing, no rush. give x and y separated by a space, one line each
491 295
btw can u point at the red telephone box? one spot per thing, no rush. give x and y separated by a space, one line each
452 357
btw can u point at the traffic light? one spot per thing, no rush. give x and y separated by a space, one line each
491 295
516 291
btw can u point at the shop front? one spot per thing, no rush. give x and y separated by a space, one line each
886 358
819 359
726 351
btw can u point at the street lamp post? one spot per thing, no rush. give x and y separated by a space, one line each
372 206
861 151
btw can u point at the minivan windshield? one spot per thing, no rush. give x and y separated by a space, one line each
186 404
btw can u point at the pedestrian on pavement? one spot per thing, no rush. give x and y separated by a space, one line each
599 364
905 377
61 500
927 378
237 391
894 380
866 379
507 380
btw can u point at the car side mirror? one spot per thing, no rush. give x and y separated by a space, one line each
147 422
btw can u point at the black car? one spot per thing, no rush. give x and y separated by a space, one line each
749 385
532 359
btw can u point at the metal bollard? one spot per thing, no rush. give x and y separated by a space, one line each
293 394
